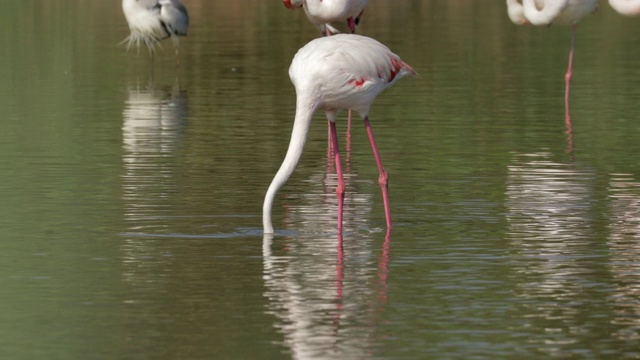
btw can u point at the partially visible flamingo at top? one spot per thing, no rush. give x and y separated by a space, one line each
546 12
323 12
333 73
626 7
516 12
151 21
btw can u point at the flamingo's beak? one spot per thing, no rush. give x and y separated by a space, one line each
352 24
287 4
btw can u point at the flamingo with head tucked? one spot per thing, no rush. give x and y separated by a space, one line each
323 12
333 73
626 7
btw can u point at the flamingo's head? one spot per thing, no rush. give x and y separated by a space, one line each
292 4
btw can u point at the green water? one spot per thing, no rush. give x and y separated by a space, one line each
131 192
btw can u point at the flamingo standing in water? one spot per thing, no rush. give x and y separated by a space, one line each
626 7
323 12
333 73
546 12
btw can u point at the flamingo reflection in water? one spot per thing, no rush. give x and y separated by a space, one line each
153 123
319 271
325 311
624 250
550 228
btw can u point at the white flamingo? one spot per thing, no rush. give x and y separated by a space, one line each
626 7
333 73
323 12
546 12
516 12
151 21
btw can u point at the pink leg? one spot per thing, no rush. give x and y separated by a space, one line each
383 180
567 80
340 188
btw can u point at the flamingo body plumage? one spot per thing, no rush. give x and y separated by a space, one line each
564 12
626 7
335 73
151 21
516 12
546 12
175 18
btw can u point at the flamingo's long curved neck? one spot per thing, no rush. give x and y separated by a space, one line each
547 12
304 113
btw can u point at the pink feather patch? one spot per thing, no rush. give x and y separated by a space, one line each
357 82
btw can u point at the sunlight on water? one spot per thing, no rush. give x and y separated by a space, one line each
151 129
548 202
624 212
550 229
